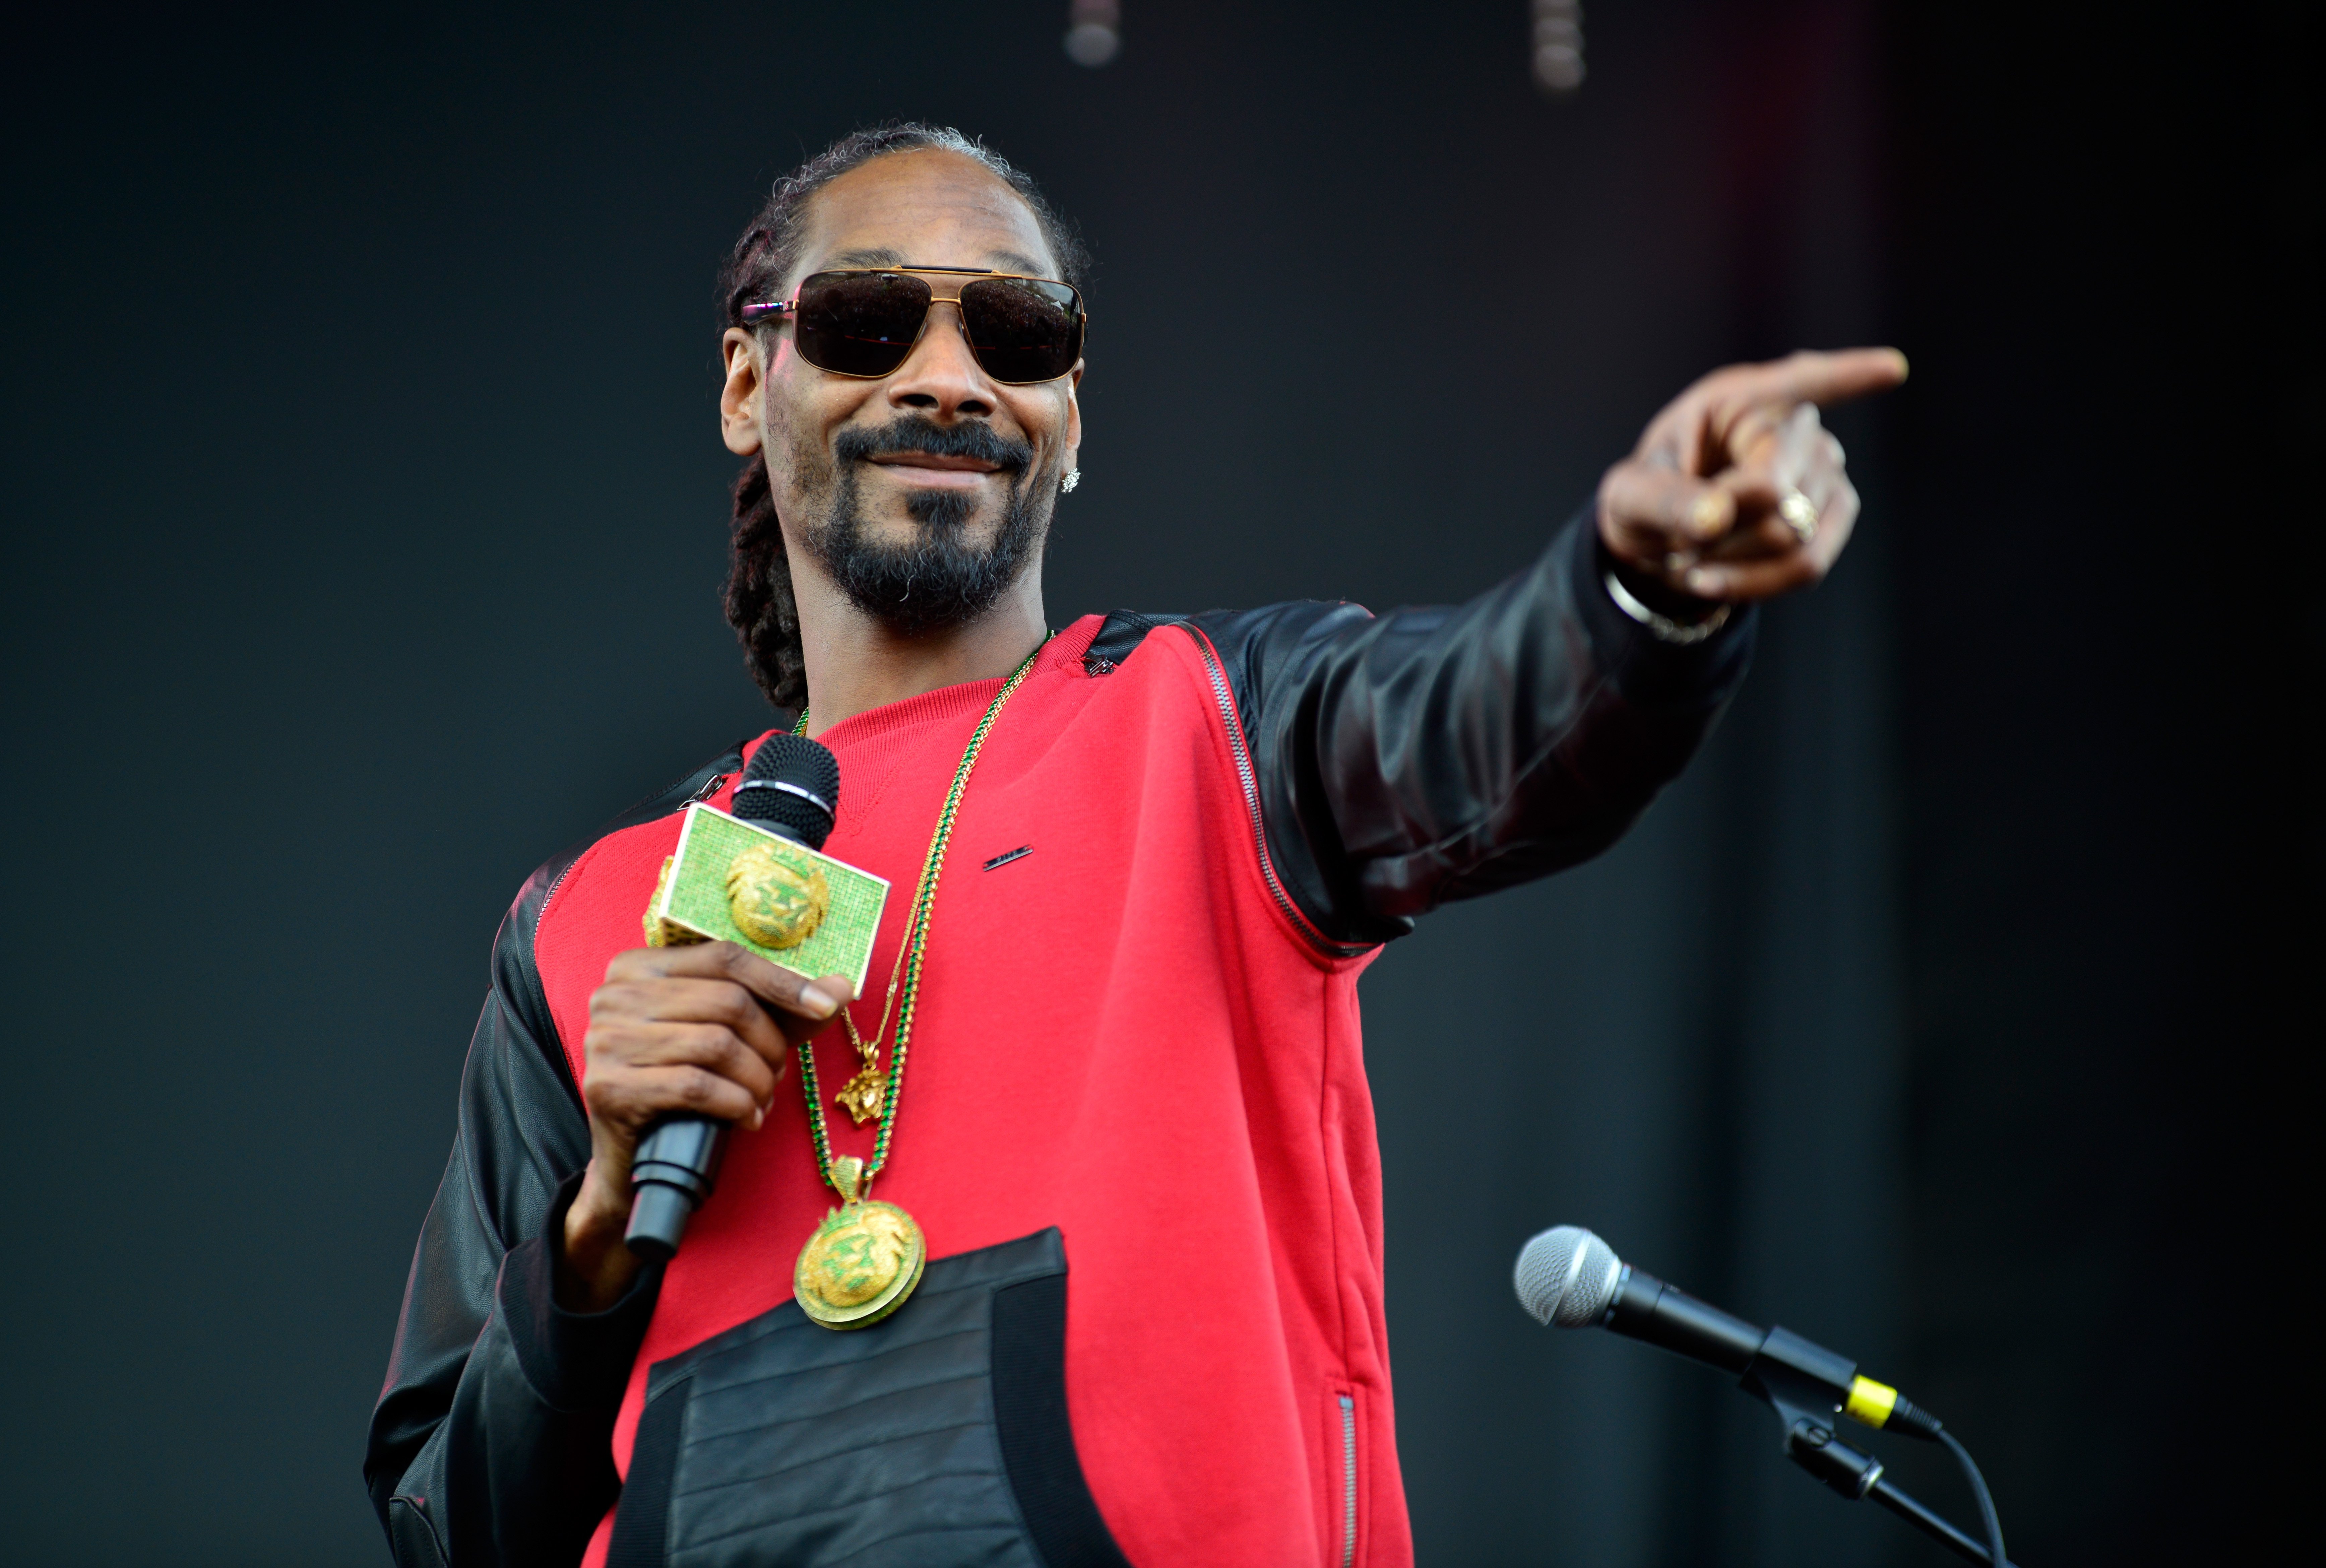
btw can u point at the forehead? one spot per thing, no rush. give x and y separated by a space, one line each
925 207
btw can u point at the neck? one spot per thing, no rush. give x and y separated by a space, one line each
856 664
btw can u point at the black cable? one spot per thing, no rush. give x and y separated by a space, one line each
1978 1489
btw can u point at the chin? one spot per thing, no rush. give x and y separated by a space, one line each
970 518
894 525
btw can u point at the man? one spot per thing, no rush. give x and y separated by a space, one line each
1132 1121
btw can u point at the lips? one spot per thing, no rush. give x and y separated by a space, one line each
919 450
932 461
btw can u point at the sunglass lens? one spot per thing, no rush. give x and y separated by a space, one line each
859 324
1022 329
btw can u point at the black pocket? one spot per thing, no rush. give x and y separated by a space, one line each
935 1439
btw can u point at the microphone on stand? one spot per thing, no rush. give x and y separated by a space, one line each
1567 1278
791 789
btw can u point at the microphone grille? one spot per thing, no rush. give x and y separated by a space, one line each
1567 1277
809 776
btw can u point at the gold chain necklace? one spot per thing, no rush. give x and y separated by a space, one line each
865 1094
866 1256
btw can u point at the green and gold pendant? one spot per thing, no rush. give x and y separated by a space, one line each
862 1261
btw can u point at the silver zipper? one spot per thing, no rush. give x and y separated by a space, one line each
555 883
1225 696
1348 1479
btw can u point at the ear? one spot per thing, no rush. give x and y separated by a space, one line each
1073 413
742 399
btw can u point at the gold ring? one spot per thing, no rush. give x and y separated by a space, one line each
1800 515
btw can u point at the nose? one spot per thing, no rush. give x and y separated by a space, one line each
941 378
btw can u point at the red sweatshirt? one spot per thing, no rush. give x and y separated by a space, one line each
1122 1033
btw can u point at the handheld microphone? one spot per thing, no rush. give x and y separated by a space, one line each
791 789
1568 1278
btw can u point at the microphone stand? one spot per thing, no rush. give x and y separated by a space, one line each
1928 1522
1805 1409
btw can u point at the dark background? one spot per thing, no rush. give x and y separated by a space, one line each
365 517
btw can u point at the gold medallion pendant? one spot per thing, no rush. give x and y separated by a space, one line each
862 1261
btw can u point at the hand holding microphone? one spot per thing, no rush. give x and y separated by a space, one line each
702 1033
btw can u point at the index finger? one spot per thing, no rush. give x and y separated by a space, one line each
772 983
1822 378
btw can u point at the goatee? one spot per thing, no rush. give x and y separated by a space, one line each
938 578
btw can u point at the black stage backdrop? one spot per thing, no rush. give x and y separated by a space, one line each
366 518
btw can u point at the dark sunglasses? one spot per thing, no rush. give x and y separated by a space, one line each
864 323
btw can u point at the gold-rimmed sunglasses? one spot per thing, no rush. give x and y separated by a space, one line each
863 321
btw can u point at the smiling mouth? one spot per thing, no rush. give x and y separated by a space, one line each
926 468
931 460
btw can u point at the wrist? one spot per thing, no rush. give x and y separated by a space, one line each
595 1267
1669 615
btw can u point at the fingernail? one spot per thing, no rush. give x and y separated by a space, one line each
1710 514
819 1003
758 1118
1704 584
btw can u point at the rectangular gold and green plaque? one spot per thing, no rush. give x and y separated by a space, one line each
691 902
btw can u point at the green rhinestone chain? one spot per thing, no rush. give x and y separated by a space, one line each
916 938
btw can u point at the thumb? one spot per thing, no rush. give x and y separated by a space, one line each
1656 510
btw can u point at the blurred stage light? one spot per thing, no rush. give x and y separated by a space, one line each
1093 31
1558 45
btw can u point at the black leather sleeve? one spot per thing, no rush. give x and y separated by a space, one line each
1407 759
490 1441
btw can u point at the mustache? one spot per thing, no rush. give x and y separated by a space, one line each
971 439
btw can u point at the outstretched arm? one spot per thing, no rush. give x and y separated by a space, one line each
1419 756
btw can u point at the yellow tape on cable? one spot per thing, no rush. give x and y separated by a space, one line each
1870 1402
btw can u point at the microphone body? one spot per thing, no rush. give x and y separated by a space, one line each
790 790
674 1168
1645 1308
1569 1278
1795 1376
